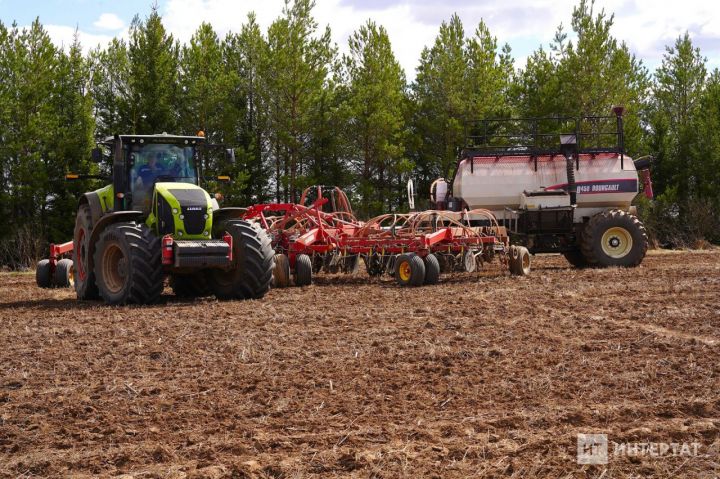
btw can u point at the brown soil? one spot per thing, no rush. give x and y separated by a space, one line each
482 375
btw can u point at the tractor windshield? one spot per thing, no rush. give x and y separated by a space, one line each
157 162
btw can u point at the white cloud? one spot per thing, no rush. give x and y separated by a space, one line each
109 21
63 36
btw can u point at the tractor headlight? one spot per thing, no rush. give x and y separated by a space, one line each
180 233
182 217
175 211
206 233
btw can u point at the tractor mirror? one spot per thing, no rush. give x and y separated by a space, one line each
97 155
230 155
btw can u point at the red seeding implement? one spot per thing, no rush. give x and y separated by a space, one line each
414 247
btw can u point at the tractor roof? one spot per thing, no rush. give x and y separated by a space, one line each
157 138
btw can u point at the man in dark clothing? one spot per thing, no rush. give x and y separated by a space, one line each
147 173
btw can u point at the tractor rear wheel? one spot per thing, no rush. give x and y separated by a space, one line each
303 270
409 270
250 274
43 278
614 238
64 276
190 285
432 269
85 285
127 264
281 272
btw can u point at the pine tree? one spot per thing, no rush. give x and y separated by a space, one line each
375 114
153 67
295 75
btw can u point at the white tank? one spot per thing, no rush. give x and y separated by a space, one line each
495 183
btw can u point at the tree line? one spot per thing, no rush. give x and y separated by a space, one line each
299 113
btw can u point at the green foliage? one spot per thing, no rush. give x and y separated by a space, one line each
298 115
375 119
458 79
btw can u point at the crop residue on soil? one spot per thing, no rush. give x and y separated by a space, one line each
480 375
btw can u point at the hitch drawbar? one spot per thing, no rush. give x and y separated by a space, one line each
196 254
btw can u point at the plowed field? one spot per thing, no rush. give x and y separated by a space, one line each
483 375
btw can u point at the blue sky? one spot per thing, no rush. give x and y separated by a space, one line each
645 25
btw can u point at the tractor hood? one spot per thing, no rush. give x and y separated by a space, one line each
182 210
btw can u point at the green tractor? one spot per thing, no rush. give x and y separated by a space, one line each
155 221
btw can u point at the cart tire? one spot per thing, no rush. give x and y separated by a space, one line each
281 272
409 270
42 274
614 238
64 276
303 270
432 269
520 262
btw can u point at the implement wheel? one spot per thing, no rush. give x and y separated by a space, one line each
519 261
409 270
614 238
432 269
190 285
303 270
127 264
64 276
281 272
43 277
250 274
85 285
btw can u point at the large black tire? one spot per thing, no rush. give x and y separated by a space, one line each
281 272
127 264
64 276
250 275
614 238
43 278
576 258
85 284
432 269
409 270
190 285
303 270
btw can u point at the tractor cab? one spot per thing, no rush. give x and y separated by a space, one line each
154 220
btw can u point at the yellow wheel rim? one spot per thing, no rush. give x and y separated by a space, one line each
617 242
71 276
404 271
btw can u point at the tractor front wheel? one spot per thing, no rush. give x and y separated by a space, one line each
250 275
127 264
